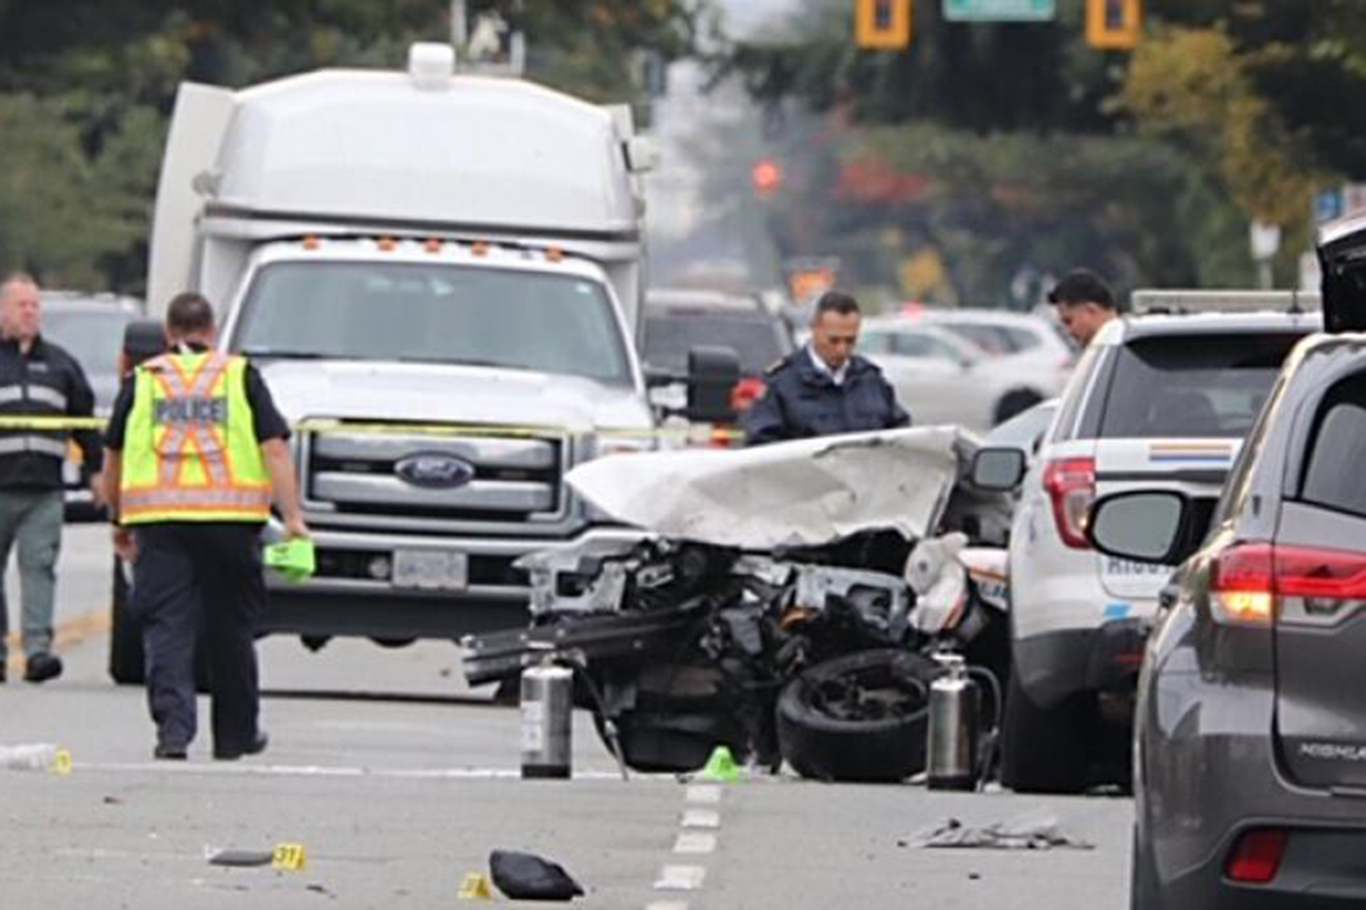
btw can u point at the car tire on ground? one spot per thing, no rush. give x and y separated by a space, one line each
1044 750
861 717
1016 401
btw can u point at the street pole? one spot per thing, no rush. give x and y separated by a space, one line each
459 26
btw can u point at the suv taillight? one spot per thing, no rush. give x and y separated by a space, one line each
1247 579
1071 486
1242 588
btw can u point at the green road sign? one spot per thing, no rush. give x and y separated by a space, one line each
999 10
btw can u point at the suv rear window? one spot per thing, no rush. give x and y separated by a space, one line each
1187 386
1332 478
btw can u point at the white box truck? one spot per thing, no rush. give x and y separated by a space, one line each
440 277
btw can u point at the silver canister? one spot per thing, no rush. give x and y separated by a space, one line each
955 706
547 714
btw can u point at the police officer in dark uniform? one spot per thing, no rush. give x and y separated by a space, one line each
825 388
195 454
37 379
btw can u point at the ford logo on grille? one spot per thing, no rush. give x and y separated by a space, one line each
434 470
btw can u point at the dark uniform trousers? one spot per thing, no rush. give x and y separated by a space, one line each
193 580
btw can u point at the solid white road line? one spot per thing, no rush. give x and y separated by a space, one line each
250 770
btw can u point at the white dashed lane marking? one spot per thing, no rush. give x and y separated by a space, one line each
681 878
701 818
697 842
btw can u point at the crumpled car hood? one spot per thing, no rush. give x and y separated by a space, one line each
808 492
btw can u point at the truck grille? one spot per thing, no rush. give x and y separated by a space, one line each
512 479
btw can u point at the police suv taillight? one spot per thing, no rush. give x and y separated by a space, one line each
1071 487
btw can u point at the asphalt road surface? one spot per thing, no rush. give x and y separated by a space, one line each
398 782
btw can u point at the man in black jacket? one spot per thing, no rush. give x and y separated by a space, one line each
36 378
825 388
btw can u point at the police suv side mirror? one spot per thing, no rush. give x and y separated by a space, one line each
1148 526
998 470
712 375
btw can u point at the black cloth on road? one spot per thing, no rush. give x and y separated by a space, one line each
802 401
266 419
47 381
194 580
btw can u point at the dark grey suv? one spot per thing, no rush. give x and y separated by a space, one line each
1250 752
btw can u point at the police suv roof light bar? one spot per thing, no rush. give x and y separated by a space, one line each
1146 302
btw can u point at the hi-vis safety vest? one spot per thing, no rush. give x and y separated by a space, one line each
190 451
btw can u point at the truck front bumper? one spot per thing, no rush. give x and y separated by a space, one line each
356 589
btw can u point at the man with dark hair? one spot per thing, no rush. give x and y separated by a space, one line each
825 388
1084 304
39 379
195 453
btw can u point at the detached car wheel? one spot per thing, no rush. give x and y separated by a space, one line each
861 717
1044 750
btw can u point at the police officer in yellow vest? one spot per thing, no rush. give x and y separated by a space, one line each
195 454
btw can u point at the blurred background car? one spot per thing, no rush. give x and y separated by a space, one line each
1027 345
942 377
678 320
90 327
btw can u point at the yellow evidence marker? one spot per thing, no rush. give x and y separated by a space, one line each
475 887
289 858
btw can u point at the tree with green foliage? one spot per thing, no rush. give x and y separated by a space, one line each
86 87
1033 149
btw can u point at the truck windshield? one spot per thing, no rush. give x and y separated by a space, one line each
434 313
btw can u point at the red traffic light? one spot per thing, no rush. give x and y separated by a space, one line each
767 176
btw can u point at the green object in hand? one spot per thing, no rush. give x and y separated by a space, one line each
294 558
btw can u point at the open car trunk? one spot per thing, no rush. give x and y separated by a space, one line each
1342 259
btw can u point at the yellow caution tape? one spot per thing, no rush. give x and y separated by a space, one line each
289 858
44 423
320 425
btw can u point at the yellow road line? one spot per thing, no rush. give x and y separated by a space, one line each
67 635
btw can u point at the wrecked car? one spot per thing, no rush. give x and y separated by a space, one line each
783 601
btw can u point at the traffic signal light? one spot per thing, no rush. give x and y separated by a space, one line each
1113 24
883 25
767 177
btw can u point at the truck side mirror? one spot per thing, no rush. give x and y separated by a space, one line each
998 470
143 339
1149 526
712 375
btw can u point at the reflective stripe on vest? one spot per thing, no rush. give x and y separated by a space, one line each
190 448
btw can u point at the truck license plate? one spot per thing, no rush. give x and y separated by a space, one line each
436 570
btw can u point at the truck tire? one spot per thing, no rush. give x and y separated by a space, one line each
861 717
1044 750
126 662
1016 401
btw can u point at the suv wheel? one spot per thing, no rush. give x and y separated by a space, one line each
1044 750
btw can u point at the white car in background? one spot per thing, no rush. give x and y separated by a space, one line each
1027 345
943 378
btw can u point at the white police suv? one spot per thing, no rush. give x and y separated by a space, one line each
1160 399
